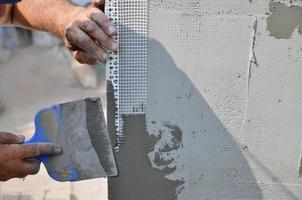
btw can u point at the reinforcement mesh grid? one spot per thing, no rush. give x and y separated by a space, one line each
133 30
128 66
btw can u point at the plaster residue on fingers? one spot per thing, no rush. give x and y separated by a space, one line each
284 20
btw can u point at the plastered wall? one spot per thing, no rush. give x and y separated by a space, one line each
224 104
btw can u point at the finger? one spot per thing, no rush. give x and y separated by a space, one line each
9 138
83 57
30 166
94 31
102 21
37 149
79 38
15 169
99 4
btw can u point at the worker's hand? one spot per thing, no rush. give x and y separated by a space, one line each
89 35
17 159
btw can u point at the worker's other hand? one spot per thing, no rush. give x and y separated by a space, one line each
17 159
89 35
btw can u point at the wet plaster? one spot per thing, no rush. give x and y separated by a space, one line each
284 20
82 154
137 178
99 137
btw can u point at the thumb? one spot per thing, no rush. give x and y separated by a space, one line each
9 138
37 149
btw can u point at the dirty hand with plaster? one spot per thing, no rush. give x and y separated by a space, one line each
87 32
90 34
17 159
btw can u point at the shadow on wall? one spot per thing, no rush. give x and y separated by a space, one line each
180 149
208 160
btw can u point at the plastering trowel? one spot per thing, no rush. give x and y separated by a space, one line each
80 128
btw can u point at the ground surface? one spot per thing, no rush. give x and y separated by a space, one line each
36 78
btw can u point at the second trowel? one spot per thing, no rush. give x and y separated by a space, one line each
80 128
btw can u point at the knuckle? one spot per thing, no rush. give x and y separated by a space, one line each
84 41
35 150
107 42
90 26
43 148
92 13
94 10
95 51
69 33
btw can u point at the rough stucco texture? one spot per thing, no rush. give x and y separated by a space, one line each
224 104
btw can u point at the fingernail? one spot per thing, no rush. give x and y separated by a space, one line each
114 46
21 138
111 30
58 150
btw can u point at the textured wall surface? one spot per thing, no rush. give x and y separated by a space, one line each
224 104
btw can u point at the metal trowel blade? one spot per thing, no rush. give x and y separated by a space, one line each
80 128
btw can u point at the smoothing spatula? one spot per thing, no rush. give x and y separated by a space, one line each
79 127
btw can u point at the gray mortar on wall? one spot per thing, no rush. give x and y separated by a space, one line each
137 179
284 20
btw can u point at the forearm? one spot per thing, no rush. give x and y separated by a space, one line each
45 15
5 14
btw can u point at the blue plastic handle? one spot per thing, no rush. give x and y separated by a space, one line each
41 135
9 1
